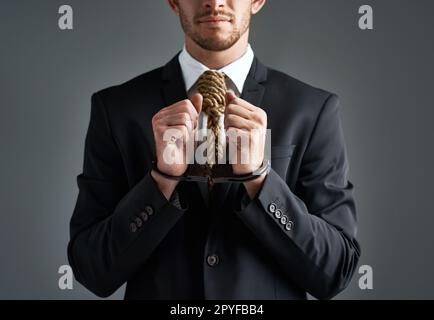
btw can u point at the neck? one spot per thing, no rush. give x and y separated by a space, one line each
217 59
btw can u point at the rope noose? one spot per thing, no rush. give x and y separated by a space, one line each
212 86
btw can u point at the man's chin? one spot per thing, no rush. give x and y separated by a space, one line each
216 48
215 45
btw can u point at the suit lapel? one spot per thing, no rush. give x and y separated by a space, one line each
173 82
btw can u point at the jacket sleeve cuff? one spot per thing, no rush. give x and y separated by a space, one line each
145 206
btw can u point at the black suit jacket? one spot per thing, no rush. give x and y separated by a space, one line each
124 230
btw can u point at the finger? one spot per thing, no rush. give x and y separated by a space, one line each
230 95
233 133
180 106
239 138
233 120
237 110
183 106
175 133
182 119
197 101
233 99
178 113
194 122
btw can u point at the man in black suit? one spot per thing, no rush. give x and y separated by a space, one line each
289 232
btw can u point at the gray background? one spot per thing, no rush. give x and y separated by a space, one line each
383 77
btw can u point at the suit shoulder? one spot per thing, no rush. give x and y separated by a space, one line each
288 85
139 85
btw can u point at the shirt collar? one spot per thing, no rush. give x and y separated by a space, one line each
237 71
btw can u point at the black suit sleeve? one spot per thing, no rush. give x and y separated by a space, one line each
113 229
317 245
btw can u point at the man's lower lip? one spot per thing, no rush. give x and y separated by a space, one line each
215 21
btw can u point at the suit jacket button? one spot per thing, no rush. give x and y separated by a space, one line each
212 260
138 221
278 214
284 219
144 215
289 225
133 227
272 207
149 210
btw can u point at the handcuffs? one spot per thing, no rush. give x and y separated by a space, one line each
187 176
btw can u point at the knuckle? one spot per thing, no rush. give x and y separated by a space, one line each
260 117
159 130
155 125
232 107
185 117
256 117
186 104
235 100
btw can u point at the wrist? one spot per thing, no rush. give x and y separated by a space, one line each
166 186
254 186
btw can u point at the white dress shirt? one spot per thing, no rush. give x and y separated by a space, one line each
237 71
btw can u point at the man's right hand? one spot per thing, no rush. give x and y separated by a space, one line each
180 119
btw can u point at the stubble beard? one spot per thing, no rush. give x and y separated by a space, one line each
215 43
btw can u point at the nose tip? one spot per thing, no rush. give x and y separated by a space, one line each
215 4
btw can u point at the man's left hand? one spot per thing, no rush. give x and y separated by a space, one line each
246 127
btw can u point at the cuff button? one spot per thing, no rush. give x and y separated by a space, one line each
149 210
212 260
289 226
278 214
144 215
138 221
133 227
